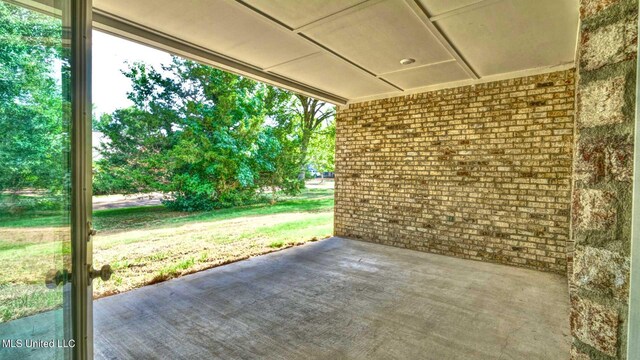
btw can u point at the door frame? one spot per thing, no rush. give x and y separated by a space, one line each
633 321
81 189
77 33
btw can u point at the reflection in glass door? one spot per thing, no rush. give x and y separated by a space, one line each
35 181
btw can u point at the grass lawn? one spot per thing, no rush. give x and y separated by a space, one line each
145 245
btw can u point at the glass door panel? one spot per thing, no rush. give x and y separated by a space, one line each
35 181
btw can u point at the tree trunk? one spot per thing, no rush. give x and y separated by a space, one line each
304 147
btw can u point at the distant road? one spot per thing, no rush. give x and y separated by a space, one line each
320 184
118 201
102 202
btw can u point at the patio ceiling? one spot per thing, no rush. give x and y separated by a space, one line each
350 50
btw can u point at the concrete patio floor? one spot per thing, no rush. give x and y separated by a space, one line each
341 299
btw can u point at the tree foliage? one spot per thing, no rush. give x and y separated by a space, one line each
312 113
207 137
322 148
34 131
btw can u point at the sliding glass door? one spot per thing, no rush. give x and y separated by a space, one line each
44 180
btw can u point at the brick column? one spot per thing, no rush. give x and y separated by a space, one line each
602 176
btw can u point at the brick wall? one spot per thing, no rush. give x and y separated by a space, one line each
603 168
480 172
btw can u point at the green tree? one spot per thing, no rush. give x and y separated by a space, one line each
312 113
34 133
198 133
134 157
322 147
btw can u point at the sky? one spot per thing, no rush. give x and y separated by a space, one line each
110 54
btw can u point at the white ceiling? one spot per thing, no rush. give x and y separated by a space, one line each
350 50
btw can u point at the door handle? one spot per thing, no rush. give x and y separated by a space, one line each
55 278
104 273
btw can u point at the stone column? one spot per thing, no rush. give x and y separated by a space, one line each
602 178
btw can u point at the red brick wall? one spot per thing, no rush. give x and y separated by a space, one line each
480 172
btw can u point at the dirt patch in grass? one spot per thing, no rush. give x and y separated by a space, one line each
34 235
